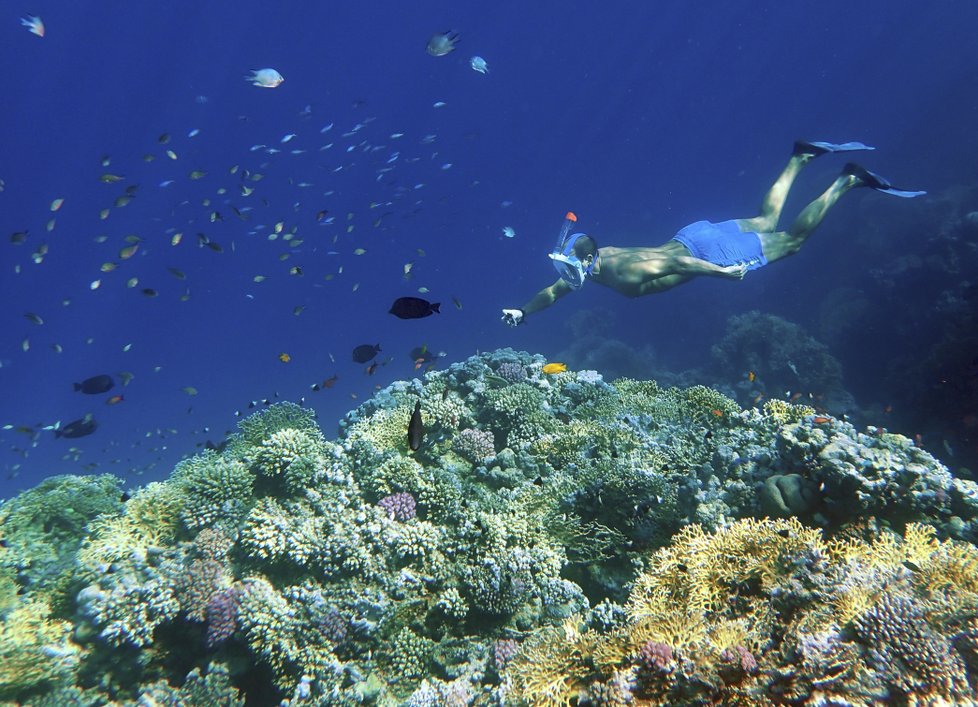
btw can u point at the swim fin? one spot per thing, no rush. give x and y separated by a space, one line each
875 181
803 147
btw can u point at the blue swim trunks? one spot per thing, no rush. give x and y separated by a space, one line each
722 244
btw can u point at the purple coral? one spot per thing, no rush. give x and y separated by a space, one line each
503 651
195 584
655 657
475 445
736 663
511 371
399 506
333 625
222 615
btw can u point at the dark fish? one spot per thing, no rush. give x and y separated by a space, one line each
422 355
365 352
78 428
95 385
413 308
415 428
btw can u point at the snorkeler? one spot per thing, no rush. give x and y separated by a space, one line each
727 249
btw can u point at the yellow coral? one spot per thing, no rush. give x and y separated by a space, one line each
782 412
150 519
713 592
386 429
553 666
34 649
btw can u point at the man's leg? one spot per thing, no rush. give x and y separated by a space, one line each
783 243
774 200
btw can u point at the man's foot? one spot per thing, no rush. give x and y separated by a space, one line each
820 148
875 181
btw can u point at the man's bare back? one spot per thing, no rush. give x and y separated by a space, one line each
643 271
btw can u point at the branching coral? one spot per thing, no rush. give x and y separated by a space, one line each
256 428
782 412
130 612
217 489
35 651
352 595
385 429
295 454
704 616
43 527
275 533
517 414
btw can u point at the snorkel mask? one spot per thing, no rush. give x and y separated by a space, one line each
568 265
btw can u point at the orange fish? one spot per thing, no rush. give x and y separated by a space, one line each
331 381
418 363
114 400
821 420
284 357
751 376
552 368
718 413
371 368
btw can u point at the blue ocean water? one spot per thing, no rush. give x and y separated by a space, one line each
640 117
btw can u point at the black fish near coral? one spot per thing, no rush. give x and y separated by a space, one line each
77 428
95 385
365 352
413 308
415 428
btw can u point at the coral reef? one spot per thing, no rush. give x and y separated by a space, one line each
555 539
784 358
756 614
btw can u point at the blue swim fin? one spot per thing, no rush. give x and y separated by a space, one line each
821 148
875 181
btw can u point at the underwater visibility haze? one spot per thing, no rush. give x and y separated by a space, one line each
263 422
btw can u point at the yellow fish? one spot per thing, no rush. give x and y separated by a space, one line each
552 368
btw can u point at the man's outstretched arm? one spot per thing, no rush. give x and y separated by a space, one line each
541 300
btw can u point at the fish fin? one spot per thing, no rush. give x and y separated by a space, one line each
435 307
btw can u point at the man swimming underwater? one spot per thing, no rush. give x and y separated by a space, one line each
727 249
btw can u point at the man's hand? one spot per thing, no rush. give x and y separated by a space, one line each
735 272
513 317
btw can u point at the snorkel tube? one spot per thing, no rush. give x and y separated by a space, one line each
569 220
568 265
